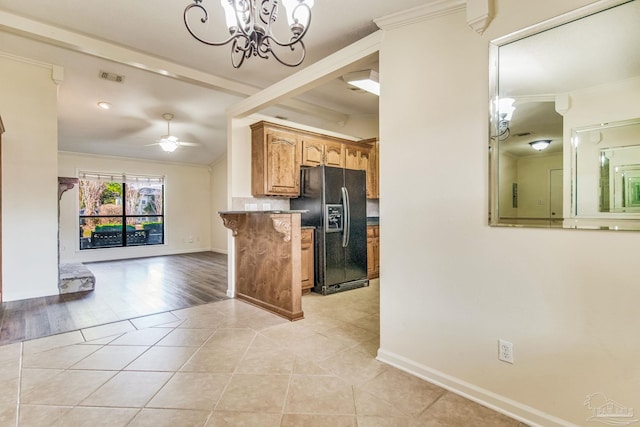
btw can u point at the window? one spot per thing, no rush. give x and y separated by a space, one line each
120 210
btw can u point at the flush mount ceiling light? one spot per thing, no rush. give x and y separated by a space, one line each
540 144
104 105
249 23
366 80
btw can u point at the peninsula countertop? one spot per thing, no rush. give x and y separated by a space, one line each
262 212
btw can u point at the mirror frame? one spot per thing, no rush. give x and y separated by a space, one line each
569 220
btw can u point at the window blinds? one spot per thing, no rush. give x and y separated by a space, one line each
121 177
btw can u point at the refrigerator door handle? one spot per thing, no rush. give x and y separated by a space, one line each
347 218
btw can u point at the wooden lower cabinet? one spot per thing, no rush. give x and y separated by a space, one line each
373 251
308 273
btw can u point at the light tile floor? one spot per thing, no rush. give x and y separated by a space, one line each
227 364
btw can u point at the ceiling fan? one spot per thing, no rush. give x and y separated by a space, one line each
170 143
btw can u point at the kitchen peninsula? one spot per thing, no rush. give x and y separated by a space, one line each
268 259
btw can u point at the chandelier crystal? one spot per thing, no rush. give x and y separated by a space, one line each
250 23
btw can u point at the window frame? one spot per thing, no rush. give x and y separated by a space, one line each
125 180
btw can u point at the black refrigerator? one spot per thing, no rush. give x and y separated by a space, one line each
335 199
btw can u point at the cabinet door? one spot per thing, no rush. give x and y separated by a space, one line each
373 252
307 261
312 152
352 158
283 164
334 154
373 186
365 162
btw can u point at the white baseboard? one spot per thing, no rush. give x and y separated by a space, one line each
516 410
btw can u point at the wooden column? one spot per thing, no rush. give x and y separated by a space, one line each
268 260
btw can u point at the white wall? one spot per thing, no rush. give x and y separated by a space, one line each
451 286
187 207
28 99
218 203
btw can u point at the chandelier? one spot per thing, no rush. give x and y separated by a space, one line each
249 23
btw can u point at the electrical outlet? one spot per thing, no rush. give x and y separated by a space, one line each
505 351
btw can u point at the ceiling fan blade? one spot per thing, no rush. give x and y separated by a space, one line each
189 144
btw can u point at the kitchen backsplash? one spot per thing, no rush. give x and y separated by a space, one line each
259 204
267 204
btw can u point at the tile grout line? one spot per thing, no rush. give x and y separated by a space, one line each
19 384
224 390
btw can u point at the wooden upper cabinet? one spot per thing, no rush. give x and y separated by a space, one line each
316 151
334 154
312 151
373 184
275 163
363 156
278 152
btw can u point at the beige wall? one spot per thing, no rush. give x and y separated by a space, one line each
533 183
508 173
218 203
29 179
187 207
451 286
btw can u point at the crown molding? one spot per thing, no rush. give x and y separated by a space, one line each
479 14
349 58
420 13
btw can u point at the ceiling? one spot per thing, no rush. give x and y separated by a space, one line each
588 52
152 32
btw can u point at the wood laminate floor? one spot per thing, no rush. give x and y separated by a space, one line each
125 289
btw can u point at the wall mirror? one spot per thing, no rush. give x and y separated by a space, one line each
564 142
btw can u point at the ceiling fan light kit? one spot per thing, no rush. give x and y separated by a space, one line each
168 142
249 23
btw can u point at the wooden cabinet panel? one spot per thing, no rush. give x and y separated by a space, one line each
352 157
275 163
373 188
312 152
373 251
278 152
282 161
334 154
317 152
364 157
307 253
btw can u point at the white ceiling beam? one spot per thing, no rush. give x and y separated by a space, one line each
80 43
101 49
333 66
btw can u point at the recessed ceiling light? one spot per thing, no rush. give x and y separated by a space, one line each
104 105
